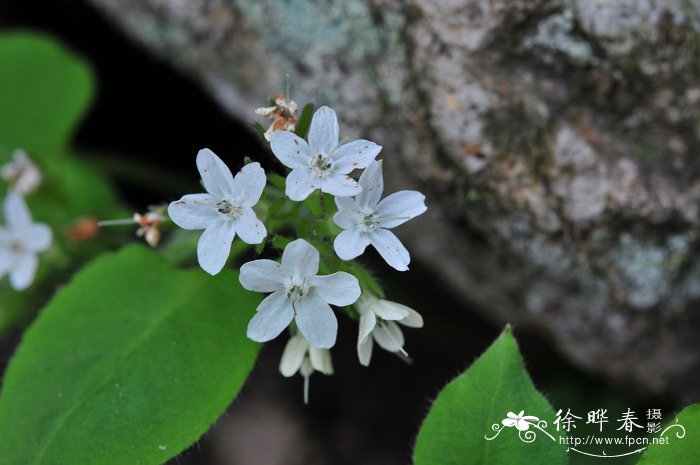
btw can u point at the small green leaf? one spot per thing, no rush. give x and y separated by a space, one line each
259 128
130 363
44 92
681 445
304 121
280 242
455 431
277 181
314 205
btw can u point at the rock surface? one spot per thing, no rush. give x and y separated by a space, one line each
557 141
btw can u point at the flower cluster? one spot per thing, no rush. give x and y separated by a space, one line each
21 239
316 269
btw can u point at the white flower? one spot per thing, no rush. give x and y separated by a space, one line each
520 421
299 355
366 220
224 211
22 172
299 294
20 242
378 320
321 163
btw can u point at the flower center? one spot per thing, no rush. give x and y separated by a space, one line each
296 289
369 220
229 209
320 164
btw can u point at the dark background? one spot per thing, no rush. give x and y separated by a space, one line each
147 118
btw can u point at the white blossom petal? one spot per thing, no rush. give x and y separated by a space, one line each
300 259
400 207
323 132
413 320
364 350
38 237
273 315
216 176
340 185
262 276
390 248
372 183
509 422
389 336
316 321
194 211
23 271
388 310
368 321
344 218
300 183
7 259
249 228
214 246
17 216
293 355
351 243
321 360
339 288
290 149
354 155
248 185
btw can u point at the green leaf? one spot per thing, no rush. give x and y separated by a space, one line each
461 418
304 122
277 181
314 205
681 446
259 128
129 364
44 92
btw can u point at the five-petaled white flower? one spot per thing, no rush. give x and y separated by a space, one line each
520 421
20 242
378 320
299 294
367 220
299 355
321 163
226 209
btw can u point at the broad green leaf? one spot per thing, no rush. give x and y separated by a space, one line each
129 364
462 417
43 93
681 446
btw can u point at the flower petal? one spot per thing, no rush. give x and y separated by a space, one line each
17 215
340 185
389 336
248 185
316 321
293 355
214 246
346 218
339 288
216 176
367 323
323 132
354 155
390 248
194 211
509 422
300 183
249 228
321 360
351 243
273 315
290 149
388 310
364 350
262 276
413 320
300 259
23 271
372 183
38 238
522 425
7 259
400 207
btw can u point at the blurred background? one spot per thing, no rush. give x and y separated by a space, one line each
154 109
